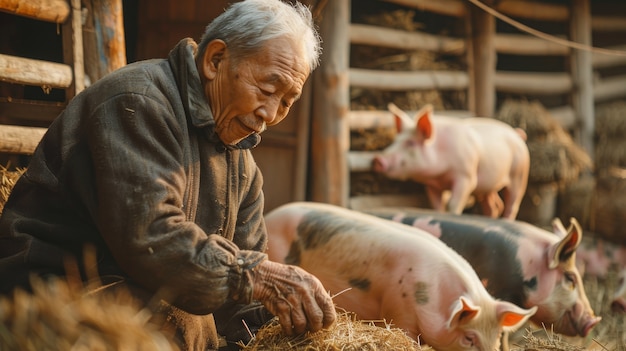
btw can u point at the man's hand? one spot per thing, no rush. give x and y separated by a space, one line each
295 296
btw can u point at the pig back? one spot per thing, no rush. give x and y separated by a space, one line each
490 249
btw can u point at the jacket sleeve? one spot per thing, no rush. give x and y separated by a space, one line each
137 148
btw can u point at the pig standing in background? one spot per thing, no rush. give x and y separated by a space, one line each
393 272
517 261
466 156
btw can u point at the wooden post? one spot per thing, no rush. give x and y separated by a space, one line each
330 134
105 46
73 49
481 61
582 73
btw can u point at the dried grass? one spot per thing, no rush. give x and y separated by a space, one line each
58 316
7 181
554 156
347 334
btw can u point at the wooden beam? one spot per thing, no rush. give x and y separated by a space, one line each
20 140
330 134
55 11
522 44
454 8
610 88
582 74
400 39
103 38
21 110
534 10
608 23
34 72
408 80
543 83
601 60
482 58
73 49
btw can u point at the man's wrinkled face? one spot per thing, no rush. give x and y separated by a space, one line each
249 94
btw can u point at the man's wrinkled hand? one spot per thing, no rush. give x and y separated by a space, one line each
295 296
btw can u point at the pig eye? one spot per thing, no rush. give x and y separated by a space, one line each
571 279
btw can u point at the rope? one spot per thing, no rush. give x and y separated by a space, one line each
545 36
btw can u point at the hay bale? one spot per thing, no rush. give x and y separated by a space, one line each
575 200
610 121
347 334
610 152
609 207
554 156
7 181
59 316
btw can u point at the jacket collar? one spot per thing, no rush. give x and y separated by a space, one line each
182 61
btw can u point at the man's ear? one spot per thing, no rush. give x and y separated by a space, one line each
213 55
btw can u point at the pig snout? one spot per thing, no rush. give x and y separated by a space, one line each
580 322
380 164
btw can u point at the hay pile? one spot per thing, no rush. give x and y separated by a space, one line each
347 334
59 316
554 156
609 200
610 129
7 181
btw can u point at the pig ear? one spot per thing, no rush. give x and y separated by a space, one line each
565 248
512 316
558 228
403 121
424 121
463 311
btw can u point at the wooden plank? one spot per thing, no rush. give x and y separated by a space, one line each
455 8
548 83
610 88
20 140
399 39
55 11
330 135
582 74
522 44
73 49
534 10
608 23
372 119
361 161
19 110
20 70
601 60
408 80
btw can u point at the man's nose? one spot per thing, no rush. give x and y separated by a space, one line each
268 111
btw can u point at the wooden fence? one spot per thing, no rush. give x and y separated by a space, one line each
578 85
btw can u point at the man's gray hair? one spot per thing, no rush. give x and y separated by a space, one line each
245 27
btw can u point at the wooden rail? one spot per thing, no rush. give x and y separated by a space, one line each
56 11
20 140
34 72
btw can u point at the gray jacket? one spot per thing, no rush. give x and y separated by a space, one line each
134 169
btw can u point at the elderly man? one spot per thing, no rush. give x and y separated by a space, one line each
151 167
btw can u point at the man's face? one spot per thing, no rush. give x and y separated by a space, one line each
249 94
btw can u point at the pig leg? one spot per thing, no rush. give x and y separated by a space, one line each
461 191
435 196
492 205
512 201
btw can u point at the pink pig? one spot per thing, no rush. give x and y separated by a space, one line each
380 269
466 156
